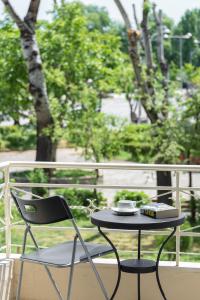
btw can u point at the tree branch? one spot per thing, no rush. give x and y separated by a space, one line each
138 26
123 14
135 17
16 18
160 40
155 14
12 12
146 37
31 16
161 55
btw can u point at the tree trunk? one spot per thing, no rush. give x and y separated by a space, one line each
144 82
164 179
46 147
133 115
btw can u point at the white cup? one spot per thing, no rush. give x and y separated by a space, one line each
124 204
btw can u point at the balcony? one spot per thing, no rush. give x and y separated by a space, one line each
180 277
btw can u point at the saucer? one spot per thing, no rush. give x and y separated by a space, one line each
124 211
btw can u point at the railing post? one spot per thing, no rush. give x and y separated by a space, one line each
178 231
7 211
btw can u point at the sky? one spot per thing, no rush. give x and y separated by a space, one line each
173 8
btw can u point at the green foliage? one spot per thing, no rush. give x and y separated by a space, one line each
124 78
72 173
73 55
189 23
17 137
190 127
192 74
97 18
140 197
96 133
80 67
185 243
78 62
137 140
38 176
166 137
14 97
147 6
80 197
76 173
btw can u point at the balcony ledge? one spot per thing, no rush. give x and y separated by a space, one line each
178 282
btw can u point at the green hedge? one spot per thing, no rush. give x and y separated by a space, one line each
17 137
140 197
79 197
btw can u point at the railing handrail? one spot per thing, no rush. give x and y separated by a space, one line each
90 165
4 165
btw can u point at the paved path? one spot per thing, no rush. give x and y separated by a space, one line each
64 155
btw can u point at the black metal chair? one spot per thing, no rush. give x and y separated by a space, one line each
47 211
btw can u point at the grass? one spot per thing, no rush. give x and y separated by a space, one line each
123 155
126 243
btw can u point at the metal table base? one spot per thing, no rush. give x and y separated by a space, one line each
138 266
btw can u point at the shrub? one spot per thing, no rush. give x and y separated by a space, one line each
79 197
17 137
38 176
137 140
140 197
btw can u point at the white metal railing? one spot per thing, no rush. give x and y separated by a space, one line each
177 189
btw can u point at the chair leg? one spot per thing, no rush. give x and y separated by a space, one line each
91 262
71 269
54 283
20 281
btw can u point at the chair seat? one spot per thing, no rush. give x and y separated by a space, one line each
61 254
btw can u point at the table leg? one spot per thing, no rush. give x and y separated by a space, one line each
157 263
118 262
138 281
139 256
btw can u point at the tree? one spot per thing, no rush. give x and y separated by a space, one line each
98 19
190 22
74 58
77 59
152 81
46 146
190 127
15 101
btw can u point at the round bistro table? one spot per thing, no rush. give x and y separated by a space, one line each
139 222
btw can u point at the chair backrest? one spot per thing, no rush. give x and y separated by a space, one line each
43 211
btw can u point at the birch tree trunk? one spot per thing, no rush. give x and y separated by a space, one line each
37 87
46 147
